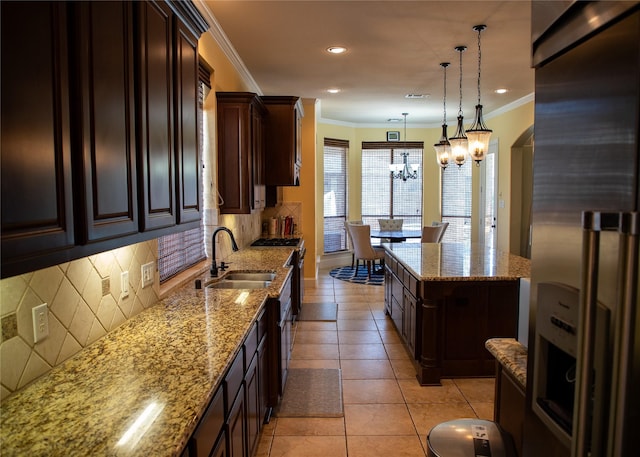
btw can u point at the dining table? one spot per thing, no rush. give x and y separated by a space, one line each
396 236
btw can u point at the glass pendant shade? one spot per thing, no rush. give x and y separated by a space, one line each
478 135
443 148
459 144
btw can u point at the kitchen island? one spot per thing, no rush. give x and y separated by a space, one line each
447 299
144 388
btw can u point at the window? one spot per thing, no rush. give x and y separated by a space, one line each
179 251
385 197
456 202
335 194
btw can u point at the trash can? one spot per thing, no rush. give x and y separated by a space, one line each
469 438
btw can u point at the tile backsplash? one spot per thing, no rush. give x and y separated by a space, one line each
84 300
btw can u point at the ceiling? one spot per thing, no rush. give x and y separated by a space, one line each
394 48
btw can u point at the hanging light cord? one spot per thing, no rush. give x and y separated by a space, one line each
460 50
479 28
444 98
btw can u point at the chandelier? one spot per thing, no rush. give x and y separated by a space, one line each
478 134
443 147
459 141
403 170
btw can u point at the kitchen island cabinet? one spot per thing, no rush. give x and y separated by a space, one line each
447 299
171 360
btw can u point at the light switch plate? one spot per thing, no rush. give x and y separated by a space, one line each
124 284
40 316
147 274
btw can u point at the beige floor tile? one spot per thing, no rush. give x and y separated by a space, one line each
384 446
382 419
477 389
314 351
264 446
377 313
310 426
355 314
415 393
427 415
397 351
316 326
483 409
390 337
308 446
309 363
355 324
366 369
371 391
385 324
403 369
320 337
359 337
362 351
353 306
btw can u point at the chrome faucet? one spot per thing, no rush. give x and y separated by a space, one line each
234 246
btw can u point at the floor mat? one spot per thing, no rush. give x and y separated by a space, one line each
318 312
312 392
346 274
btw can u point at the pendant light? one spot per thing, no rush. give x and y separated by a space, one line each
478 133
404 171
443 147
459 141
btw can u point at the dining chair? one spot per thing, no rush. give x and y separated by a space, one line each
350 246
443 226
363 249
390 224
431 234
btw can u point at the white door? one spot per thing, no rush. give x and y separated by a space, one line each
488 190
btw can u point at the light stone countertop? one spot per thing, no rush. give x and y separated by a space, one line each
458 262
167 361
512 356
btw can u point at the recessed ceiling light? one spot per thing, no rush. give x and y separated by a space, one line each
336 49
416 95
333 91
394 119
501 91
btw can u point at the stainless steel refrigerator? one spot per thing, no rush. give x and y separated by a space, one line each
583 374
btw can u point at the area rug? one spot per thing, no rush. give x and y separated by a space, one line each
312 392
318 312
346 274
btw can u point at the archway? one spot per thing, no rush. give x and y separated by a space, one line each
521 194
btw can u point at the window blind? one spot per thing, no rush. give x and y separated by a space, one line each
384 197
335 194
456 202
179 251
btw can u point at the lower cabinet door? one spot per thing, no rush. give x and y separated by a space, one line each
236 427
220 448
252 399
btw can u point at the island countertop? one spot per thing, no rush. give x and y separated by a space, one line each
166 362
458 261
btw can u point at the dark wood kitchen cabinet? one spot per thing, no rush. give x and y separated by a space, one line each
99 145
401 301
241 171
280 322
283 149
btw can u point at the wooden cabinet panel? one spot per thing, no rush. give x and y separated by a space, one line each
106 126
236 427
252 399
283 140
188 155
209 429
37 206
509 407
156 116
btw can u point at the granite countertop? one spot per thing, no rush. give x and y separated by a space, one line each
458 261
167 361
512 356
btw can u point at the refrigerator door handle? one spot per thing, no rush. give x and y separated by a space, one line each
627 225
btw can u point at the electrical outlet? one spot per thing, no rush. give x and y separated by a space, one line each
124 284
40 315
147 274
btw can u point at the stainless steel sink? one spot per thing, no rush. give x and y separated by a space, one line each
250 276
239 284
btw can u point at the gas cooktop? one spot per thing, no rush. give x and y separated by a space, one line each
276 242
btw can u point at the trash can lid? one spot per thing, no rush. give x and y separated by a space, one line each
467 438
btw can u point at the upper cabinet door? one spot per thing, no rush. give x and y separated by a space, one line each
187 154
156 118
106 124
37 209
